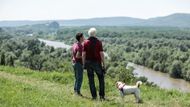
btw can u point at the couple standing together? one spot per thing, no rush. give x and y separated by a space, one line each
88 54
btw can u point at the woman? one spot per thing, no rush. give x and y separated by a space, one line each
77 62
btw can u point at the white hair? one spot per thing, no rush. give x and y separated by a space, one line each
92 32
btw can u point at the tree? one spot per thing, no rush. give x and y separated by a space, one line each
183 48
34 46
54 25
37 62
2 59
10 57
176 69
124 74
156 67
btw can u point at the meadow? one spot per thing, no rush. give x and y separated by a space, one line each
23 87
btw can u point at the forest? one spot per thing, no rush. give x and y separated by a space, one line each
164 49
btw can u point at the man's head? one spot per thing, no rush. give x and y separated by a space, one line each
79 37
92 32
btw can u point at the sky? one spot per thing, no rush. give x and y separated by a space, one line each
82 9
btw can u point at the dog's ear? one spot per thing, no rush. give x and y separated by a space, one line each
116 84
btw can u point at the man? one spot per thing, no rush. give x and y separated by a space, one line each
77 63
93 60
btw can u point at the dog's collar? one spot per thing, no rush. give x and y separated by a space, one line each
122 86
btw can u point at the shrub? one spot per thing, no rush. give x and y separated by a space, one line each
176 69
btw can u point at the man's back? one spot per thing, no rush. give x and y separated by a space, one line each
93 47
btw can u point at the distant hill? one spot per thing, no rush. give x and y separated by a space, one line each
107 21
173 20
20 23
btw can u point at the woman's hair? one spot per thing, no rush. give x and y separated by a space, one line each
78 36
92 32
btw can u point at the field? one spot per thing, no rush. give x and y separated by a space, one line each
22 87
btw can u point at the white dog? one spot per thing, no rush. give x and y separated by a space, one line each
126 89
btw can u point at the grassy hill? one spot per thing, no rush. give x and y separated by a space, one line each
22 87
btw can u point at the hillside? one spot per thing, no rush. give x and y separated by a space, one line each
50 89
107 21
173 20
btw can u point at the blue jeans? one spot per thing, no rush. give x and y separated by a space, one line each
78 68
91 67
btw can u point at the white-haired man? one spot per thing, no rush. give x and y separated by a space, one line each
93 59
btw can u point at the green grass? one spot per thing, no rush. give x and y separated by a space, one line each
22 87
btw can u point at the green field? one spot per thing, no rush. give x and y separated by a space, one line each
22 87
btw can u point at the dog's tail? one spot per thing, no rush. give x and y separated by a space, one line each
138 83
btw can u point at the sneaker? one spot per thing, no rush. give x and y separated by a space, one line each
102 98
94 98
78 94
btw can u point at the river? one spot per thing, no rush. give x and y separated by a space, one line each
163 80
55 44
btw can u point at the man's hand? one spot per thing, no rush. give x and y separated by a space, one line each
84 59
84 66
103 69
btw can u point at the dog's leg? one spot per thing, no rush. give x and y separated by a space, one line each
140 101
122 96
137 96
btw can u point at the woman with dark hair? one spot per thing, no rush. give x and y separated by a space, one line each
77 63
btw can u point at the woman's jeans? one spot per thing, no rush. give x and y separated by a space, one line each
78 68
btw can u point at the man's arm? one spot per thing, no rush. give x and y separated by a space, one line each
102 55
83 57
102 58
78 55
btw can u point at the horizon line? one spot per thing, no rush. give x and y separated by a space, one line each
92 18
